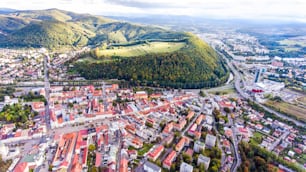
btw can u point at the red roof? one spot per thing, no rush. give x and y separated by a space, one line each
123 165
21 167
170 158
156 152
98 159
190 115
180 144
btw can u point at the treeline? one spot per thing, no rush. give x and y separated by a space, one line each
257 159
195 66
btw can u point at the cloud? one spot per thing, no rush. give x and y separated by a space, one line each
247 9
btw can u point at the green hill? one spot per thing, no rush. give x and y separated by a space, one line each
55 29
195 65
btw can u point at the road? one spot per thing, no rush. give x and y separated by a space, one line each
234 143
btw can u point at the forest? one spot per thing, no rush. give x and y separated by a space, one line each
194 66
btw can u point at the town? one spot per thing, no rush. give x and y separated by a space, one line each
119 129
79 125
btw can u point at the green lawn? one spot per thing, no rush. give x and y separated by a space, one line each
257 138
142 49
146 147
222 92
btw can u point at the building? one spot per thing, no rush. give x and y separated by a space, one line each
22 167
210 141
205 160
65 149
169 159
186 167
150 167
156 152
190 115
123 165
179 146
198 146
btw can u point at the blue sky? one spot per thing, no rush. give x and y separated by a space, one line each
289 10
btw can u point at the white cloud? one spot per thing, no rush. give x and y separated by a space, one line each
259 9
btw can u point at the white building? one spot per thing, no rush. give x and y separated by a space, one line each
150 167
186 167
205 160
198 146
210 141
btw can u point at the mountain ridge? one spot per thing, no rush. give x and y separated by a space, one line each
20 29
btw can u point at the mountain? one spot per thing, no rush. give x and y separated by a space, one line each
135 53
55 28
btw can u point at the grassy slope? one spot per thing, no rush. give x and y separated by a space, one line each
142 49
289 109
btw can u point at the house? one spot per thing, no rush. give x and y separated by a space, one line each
200 119
22 167
168 140
198 146
190 115
168 128
123 165
150 167
186 167
210 141
291 153
192 129
205 160
179 146
209 119
156 152
169 159
65 149
179 126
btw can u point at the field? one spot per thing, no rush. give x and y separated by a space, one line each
226 91
289 109
291 42
302 100
142 49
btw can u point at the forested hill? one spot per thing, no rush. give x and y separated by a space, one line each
194 66
55 29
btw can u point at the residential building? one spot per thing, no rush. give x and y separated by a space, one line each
169 159
156 152
205 160
186 167
150 167
210 141
198 146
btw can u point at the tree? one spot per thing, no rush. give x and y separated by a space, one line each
173 167
158 162
226 109
91 148
202 167
187 158
202 94
213 169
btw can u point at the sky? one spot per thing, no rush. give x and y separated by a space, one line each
289 10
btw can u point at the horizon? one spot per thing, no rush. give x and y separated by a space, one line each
262 10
